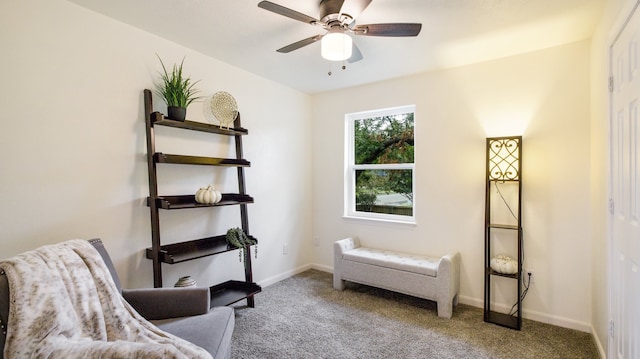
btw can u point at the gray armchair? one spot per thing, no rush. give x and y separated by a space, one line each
183 312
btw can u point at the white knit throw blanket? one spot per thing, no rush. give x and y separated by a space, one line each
64 304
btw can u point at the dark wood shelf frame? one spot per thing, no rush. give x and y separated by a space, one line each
225 293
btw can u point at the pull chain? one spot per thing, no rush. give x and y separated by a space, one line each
344 67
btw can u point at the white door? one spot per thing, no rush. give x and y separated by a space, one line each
624 341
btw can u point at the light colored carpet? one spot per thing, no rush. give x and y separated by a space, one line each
304 317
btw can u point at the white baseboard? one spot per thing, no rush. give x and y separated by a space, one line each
322 267
603 355
533 315
282 276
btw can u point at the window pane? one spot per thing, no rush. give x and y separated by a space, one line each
385 191
383 140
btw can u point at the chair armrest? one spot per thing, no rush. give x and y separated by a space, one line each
449 268
345 245
164 303
339 248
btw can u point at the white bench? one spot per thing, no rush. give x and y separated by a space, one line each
436 279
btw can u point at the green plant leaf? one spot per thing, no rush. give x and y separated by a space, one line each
175 88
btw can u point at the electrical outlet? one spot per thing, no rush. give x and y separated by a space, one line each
285 248
529 273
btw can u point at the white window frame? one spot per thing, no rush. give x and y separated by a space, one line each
350 167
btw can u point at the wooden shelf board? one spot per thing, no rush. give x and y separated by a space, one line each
513 276
231 292
189 201
505 320
503 226
158 119
160 157
189 250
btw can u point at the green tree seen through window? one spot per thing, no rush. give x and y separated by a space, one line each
378 141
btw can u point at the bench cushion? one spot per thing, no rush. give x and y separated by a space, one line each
400 261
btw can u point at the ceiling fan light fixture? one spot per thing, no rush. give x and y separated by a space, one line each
336 46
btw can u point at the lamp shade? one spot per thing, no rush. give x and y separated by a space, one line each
336 46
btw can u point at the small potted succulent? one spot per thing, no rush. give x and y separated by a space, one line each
177 91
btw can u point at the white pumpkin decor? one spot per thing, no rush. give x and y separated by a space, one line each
504 264
208 195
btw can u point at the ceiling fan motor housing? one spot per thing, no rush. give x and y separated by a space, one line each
330 12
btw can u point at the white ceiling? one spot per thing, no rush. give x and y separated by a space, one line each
454 33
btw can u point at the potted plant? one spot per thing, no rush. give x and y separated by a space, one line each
177 91
236 238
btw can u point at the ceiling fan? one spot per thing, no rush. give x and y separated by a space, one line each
338 18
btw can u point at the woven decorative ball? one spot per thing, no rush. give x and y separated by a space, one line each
223 107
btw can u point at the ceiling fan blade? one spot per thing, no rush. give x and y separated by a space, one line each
356 55
285 11
392 30
299 44
354 7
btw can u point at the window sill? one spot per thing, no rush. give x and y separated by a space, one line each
410 222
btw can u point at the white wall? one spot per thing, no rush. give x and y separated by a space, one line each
73 146
543 96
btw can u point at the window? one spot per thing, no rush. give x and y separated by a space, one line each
379 164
